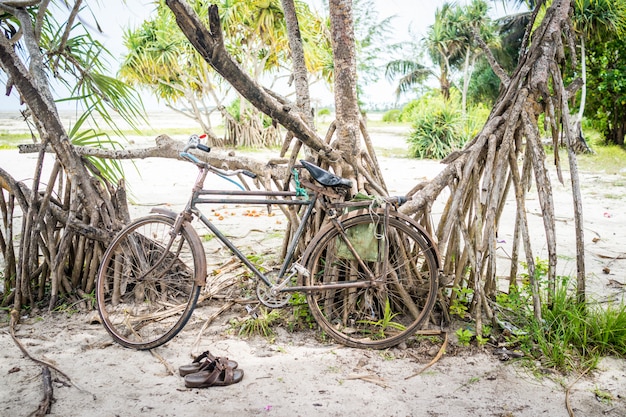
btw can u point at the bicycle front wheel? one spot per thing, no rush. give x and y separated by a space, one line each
147 287
399 271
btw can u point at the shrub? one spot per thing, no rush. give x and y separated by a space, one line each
437 127
392 115
324 111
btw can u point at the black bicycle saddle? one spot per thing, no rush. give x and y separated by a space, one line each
324 177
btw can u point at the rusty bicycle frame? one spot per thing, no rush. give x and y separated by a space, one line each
200 196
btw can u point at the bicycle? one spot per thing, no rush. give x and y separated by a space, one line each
370 274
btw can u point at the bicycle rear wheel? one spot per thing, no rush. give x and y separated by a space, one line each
405 280
147 287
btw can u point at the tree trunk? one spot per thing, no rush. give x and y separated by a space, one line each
346 101
300 73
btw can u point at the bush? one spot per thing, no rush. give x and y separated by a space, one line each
439 126
571 335
324 111
392 116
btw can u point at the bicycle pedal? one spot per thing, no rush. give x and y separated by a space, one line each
252 312
301 270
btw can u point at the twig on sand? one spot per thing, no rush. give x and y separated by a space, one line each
442 350
165 363
570 411
373 378
208 321
44 407
46 402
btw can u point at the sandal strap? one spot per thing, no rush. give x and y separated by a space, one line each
206 354
213 376
221 363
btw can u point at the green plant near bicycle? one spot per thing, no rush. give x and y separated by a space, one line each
259 324
460 301
367 265
571 336
384 323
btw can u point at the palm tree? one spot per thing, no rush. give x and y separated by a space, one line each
470 21
595 20
161 58
411 73
450 44
442 44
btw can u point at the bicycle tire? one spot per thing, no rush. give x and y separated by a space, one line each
143 312
392 310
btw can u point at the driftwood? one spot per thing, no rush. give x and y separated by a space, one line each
46 402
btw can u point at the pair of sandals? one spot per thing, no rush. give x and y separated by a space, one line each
207 371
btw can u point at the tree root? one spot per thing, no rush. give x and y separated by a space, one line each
570 410
46 402
44 407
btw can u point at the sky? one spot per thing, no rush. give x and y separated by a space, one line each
116 16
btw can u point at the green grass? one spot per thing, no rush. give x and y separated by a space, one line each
575 336
611 158
260 324
571 336
11 140
391 152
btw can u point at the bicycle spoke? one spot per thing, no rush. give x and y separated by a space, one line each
146 285
402 281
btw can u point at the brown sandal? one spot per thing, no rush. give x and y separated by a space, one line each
199 364
217 373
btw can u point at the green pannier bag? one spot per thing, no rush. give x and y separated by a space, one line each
364 237
365 241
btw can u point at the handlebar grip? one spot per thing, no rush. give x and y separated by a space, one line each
203 148
397 199
248 174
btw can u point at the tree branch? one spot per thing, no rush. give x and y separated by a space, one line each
210 44
495 66
166 147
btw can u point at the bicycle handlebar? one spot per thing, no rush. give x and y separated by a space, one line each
194 143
